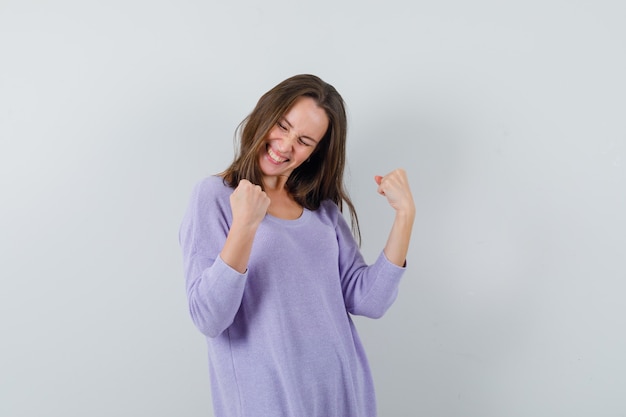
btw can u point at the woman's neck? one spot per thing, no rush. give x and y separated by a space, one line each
274 183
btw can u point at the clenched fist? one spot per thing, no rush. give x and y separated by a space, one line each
249 204
395 186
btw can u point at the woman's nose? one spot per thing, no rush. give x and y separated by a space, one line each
286 144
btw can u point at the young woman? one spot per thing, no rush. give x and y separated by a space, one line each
273 271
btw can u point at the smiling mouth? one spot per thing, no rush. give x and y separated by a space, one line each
275 157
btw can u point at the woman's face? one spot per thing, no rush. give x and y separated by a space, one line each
293 139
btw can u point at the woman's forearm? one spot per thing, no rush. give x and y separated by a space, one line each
399 237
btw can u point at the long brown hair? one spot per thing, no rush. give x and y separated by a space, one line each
321 177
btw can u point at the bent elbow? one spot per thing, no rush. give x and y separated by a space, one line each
208 324
211 331
374 307
377 313
372 312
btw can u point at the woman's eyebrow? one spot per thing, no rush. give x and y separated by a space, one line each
286 121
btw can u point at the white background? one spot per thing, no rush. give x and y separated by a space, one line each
508 116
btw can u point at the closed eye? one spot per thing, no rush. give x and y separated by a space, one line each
284 125
305 142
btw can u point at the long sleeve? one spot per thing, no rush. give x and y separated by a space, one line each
214 290
284 345
367 290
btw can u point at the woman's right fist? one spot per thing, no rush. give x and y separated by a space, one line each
249 204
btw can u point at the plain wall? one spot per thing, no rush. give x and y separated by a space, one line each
508 116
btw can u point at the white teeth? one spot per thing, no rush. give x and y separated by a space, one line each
274 156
